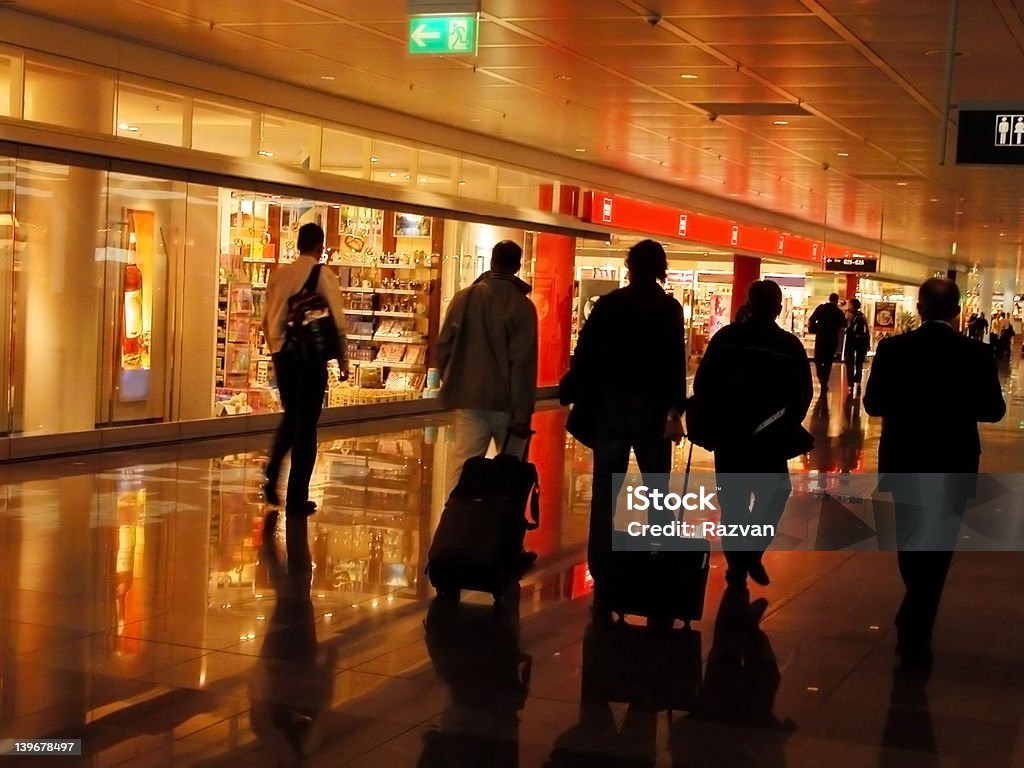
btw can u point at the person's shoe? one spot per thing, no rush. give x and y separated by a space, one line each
915 667
306 509
756 610
759 574
269 490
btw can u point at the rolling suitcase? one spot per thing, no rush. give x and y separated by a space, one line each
665 584
478 543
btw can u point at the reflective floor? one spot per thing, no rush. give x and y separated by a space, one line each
148 608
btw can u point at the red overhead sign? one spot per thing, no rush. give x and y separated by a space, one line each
653 219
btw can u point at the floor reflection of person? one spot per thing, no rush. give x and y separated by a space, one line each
851 441
908 728
291 687
475 651
733 723
649 672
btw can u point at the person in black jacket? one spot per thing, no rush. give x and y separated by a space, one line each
855 345
751 393
931 387
826 323
630 369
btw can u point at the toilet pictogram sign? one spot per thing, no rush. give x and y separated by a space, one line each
1009 131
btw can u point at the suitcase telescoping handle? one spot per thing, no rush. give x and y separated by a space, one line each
526 446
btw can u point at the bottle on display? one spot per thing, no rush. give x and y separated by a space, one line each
131 344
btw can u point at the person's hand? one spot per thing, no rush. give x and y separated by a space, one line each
674 427
520 429
342 372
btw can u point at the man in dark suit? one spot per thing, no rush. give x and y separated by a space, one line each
826 323
931 387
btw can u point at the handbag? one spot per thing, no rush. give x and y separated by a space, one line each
583 417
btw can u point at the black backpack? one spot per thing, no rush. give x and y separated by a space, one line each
859 329
311 333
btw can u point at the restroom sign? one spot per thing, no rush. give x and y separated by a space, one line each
1009 131
682 225
606 210
991 136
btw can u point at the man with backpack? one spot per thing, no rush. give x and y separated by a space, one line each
858 340
303 322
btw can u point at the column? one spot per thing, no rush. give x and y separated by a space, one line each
746 270
852 286
552 292
985 294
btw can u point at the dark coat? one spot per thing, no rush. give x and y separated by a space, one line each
750 373
631 352
931 387
826 322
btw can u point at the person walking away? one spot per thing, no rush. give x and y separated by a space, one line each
630 367
751 393
487 355
1006 335
857 342
982 327
826 323
301 380
931 387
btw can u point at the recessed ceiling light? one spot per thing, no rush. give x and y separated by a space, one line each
933 199
122 126
580 149
688 76
462 183
843 154
393 174
780 122
423 179
563 77
374 159
959 213
734 194
407 177
901 183
265 153
1002 234
326 77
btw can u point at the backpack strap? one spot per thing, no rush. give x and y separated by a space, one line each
313 280
534 508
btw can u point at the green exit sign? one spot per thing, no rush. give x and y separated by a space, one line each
443 34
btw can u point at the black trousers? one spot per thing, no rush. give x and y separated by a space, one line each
623 427
925 552
752 489
302 395
854 365
824 354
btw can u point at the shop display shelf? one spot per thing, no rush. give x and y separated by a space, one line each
254 260
365 312
414 367
395 314
399 339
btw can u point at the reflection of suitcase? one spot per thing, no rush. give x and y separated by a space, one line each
629 663
665 584
479 540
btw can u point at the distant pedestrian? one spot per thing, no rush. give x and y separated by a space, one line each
856 345
826 323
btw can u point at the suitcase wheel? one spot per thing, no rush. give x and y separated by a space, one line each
449 594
